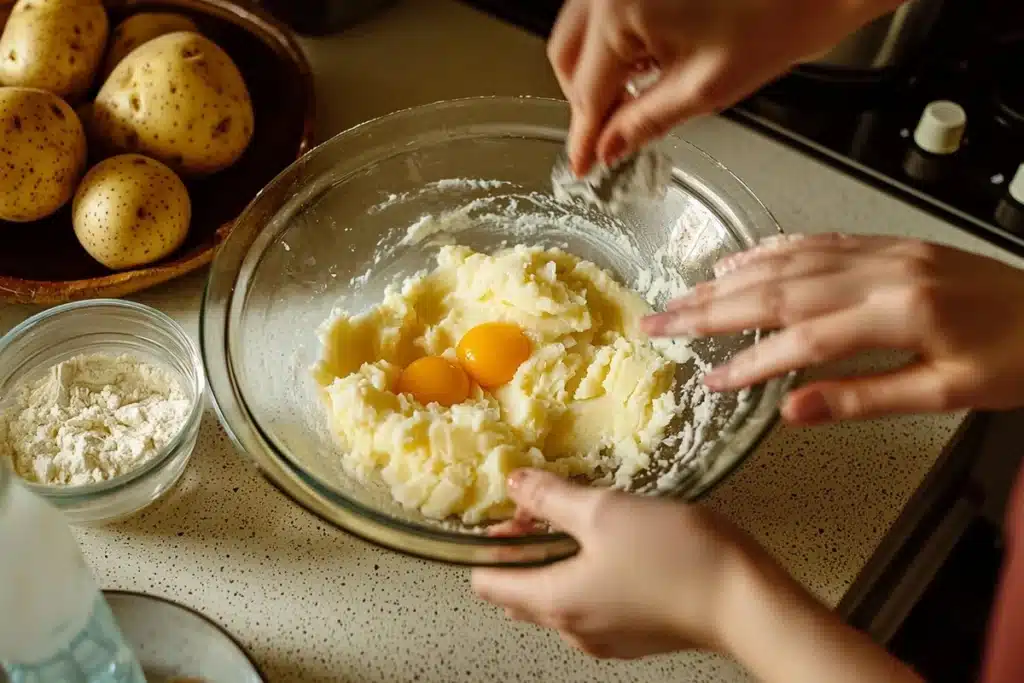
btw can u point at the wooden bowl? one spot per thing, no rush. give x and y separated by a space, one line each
42 262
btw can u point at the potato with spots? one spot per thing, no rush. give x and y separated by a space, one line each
142 28
130 211
180 99
42 153
54 45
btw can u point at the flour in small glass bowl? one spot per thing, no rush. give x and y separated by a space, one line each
90 418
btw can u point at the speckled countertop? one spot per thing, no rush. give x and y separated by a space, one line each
313 604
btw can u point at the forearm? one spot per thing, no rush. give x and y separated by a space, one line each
828 22
781 634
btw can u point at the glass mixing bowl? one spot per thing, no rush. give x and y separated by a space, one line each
329 232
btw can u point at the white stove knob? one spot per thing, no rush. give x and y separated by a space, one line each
1017 186
941 128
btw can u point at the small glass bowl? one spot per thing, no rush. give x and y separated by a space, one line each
110 327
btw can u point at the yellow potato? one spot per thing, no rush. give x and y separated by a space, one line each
130 211
180 99
42 153
54 45
142 28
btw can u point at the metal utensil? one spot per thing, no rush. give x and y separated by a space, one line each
641 176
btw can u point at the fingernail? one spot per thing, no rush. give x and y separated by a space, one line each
516 479
770 240
654 324
780 240
811 408
670 324
699 292
579 167
522 516
614 150
581 160
724 267
682 302
572 145
735 261
681 324
717 377
649 323
574 162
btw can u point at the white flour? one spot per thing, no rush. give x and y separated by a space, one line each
91 418
438 186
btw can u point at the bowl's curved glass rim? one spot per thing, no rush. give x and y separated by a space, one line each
281 469
86 492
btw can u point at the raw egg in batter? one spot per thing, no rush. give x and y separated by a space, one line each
492 352
433 379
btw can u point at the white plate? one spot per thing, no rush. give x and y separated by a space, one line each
173 641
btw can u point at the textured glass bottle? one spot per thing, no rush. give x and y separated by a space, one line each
55 626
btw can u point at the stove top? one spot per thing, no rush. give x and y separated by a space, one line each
865 126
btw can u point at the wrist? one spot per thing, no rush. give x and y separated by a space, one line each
750 582
757 597
780 632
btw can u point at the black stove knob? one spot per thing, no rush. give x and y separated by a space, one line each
927 168
1010 211
1008 90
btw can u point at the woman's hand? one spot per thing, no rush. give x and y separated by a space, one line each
711 54
832 296
651 577
656 576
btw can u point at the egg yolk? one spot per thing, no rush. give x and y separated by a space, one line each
492 352
433 379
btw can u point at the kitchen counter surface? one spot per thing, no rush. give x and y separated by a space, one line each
313 604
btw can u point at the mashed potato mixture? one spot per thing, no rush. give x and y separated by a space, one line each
488 363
